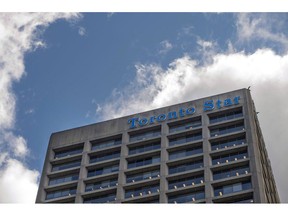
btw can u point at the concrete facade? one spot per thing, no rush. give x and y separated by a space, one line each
189 152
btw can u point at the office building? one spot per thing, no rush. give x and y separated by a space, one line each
209 150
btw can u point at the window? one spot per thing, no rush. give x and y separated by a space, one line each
189 197
63 179
143 162
185 139
227 129
185 167
193 123
231 172
60 193
101 185
141 191
229 157
145 135
142 176
67 165
215 145
185 182
185 153
225 116
232 188
101 199
103 170
103 157
144 148
68 152
96 145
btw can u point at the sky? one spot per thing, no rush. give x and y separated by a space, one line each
64 70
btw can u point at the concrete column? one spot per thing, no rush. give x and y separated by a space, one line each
82 172
122 167
163 166
253 150
207 159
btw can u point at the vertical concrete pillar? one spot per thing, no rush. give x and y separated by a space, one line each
83 172
207 159
122 168
163 166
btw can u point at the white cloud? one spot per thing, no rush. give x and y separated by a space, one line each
17 183
166 46
82 31
19 33
184 80
267 27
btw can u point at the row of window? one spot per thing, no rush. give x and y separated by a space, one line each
218 159
173 184
153 189
193 123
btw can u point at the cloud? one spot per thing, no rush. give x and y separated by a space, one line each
82 31
19 33
185 80
166 46
262 26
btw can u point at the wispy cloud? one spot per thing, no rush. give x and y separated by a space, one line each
262 26
19 33
82 31
165 47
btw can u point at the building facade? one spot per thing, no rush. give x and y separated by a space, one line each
210 150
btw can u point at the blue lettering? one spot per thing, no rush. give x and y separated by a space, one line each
228 102
236 100
172 115
152 118
181 112
132 121
143 122
190 111
161 117
218 103
208 105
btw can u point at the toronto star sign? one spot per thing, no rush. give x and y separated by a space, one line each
208 105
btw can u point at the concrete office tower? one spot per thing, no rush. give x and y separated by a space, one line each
210 150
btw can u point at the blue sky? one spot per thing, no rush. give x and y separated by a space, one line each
76 69
66 80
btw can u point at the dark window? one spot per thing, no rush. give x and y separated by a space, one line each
189 197
232 188
62 179
69 152
105 144
231 172
193 123
141 191
185 167
101 199
101 185
103 170
227 129
143 162
142 176
144 148
145 135
185 153
60 193
185 182
185 139
228 143
67 165
103 157
229 157
226 116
